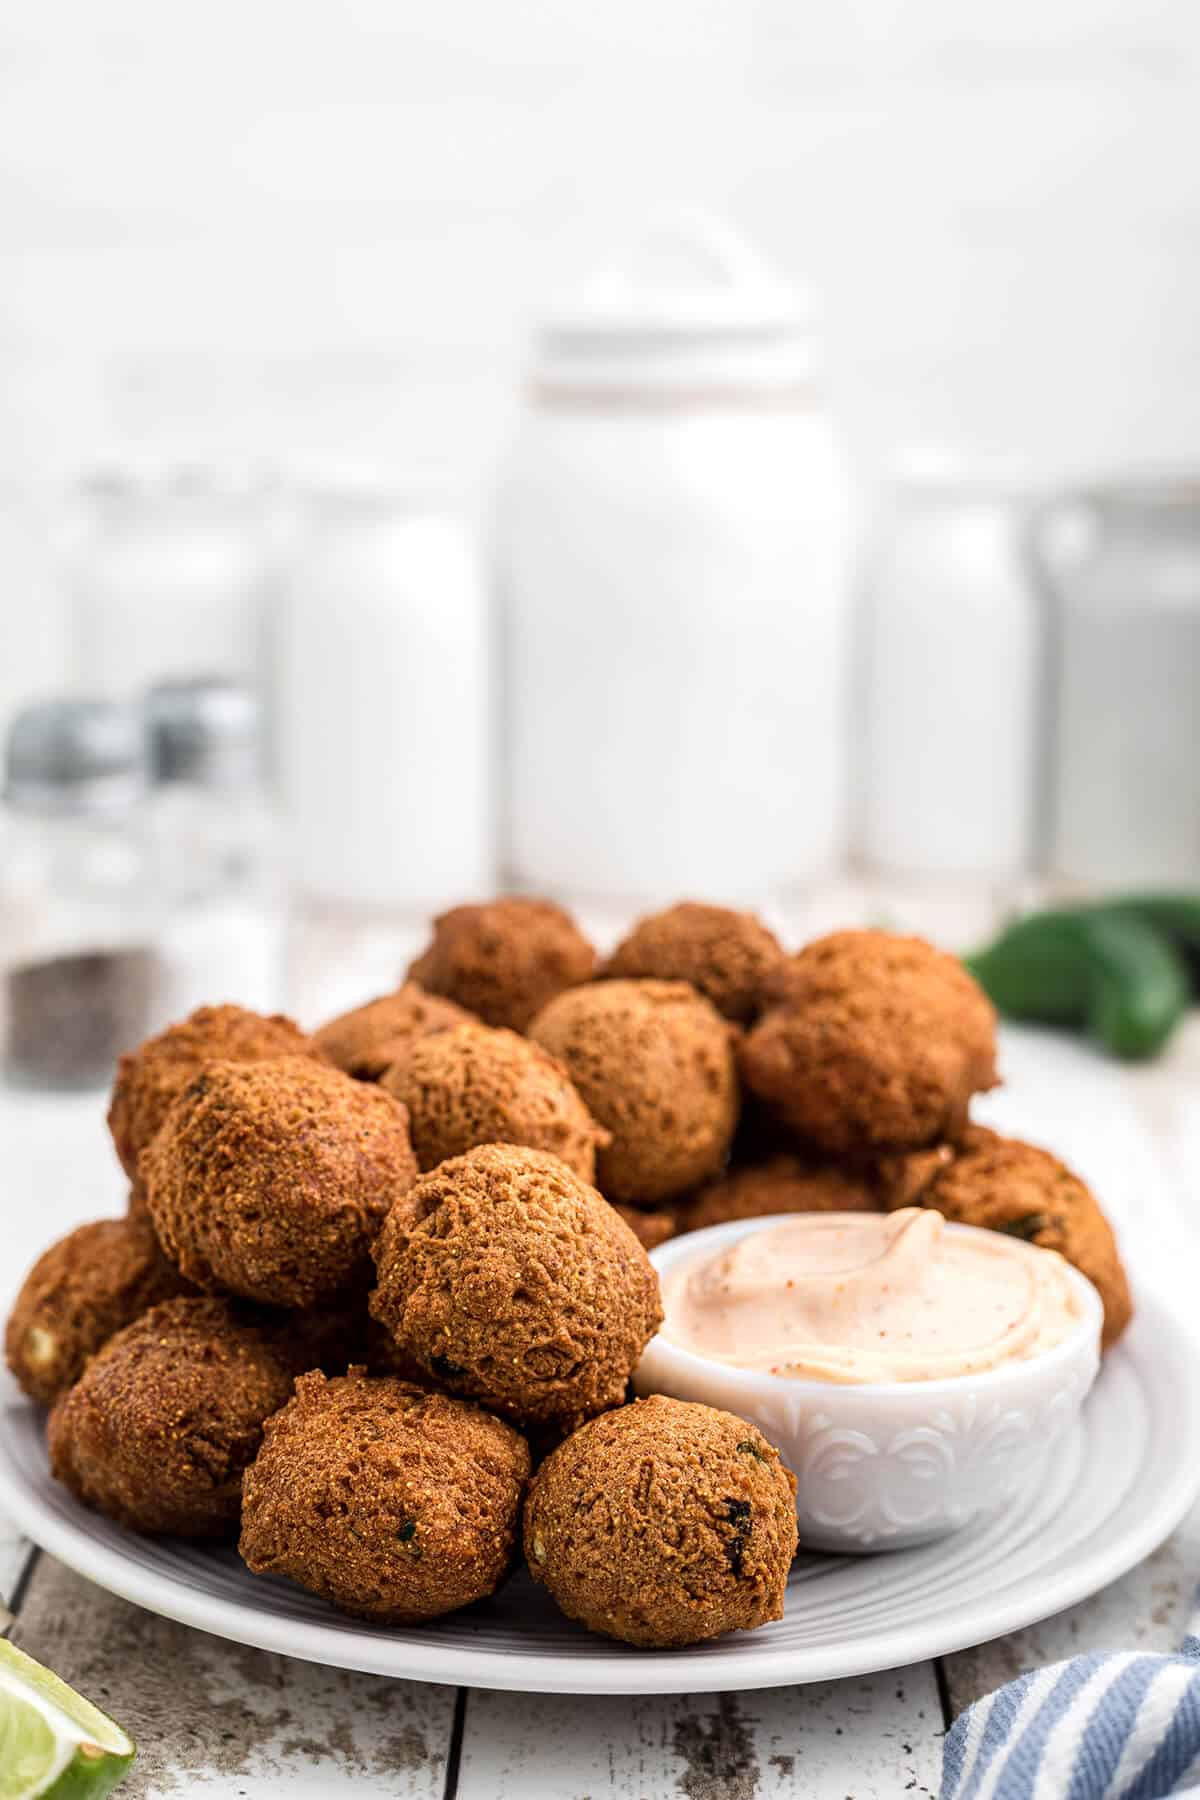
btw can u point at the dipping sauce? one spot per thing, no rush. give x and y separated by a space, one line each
855 1297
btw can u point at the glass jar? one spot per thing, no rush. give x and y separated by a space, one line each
951 658
382 690
80 910
216 839
672 541
1122 569
165 580
34 650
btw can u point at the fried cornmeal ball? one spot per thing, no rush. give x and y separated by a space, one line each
649 1228
1005 1185
386 1500
879 1043
159 1428
510 1280
476 1085
369 1039
150 1078
504 959
729 956
328 1338
784 1184
78 1293
270 1180
654 1063
901 1179
664 1523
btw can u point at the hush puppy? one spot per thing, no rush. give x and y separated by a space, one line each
475 1085
79 1292
511 1281
785 1184
505 959
1006 1185
159 1428
654 1063
328 1338
149 1079
879 1043
387 1501
365 1042
270 1180
664 1523
729 956
902 1178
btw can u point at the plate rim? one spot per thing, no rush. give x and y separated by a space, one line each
1164 1347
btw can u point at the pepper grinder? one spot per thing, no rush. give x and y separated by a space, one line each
80 969
217 845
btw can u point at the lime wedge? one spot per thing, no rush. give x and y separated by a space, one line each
54 1744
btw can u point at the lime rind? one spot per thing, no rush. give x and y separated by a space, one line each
54 1744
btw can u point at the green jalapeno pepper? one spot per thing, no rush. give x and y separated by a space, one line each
1103 969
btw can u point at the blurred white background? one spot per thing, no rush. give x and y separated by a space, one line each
258 235
259 227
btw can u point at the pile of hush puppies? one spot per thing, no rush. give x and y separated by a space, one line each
379 1292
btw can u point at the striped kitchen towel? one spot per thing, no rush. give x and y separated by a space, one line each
1117 1726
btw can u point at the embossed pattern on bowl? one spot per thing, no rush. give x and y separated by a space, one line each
887 1465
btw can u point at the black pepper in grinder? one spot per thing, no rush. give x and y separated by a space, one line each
79 902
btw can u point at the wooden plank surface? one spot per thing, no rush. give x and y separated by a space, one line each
878 1738
227 1720
15 1552
233 1721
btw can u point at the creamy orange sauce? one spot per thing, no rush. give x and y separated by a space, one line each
855 1297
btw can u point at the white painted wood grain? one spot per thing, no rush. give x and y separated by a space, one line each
225 1721
875 1738
14 1552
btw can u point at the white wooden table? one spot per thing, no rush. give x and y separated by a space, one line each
220 1721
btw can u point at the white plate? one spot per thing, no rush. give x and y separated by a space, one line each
1115 1490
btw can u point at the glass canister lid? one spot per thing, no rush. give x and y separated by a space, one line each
76 756
205 729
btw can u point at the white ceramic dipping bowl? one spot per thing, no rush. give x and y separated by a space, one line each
886 1465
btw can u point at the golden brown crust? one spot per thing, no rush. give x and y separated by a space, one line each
784 1184
1003 1184
150 1078
476 1085
654 1063
728 956
270 1180
390 1502
664 1523
649 1228
505 959
878 1044
366 1041
510 1280
83 1289
157 1431
135 1206
904 1177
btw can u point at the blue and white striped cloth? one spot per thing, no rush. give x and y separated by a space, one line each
1122 1726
